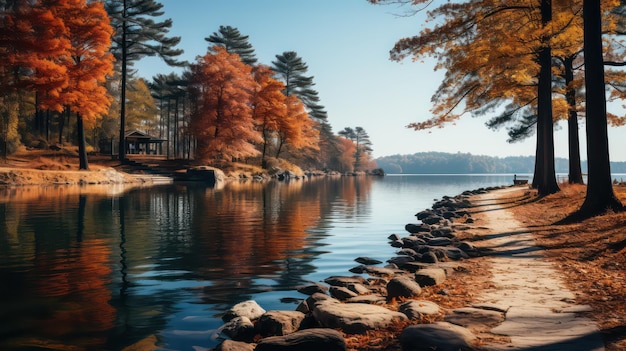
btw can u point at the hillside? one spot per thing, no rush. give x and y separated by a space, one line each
463 163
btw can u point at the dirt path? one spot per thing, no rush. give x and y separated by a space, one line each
541 314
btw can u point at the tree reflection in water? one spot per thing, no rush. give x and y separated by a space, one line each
102 271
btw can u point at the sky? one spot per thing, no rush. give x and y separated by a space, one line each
346 44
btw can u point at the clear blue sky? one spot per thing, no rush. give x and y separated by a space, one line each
346 45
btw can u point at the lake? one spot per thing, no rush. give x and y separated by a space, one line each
105 267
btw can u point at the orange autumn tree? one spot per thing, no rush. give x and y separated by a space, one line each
222 121
88 63
296 129
31 40
268 106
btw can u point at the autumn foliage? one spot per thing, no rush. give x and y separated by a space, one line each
239 110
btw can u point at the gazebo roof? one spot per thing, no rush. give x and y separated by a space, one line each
137 135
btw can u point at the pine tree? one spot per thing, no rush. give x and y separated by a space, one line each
137 35
231 39
291 69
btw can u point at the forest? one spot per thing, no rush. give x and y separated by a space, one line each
67 79
465 163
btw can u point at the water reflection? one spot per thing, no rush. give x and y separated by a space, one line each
102 270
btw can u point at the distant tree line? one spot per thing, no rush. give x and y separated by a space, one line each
466 163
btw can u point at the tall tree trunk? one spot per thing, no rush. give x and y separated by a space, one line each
575 173
122 144
62 124
82 147
546 184
600 195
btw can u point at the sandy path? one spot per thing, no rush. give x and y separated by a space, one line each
541 313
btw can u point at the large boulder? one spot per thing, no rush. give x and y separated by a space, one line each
415 309
354 318
305 340
238 328
250 309
440 336
275 323
430 276
403 286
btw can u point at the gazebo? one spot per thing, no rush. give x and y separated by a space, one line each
141 143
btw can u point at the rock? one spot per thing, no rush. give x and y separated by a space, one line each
403 286
305 340
430 276
360 269
379 271
358 289
432 219
417 228
454 253
475 319
238 328
354 318
415 309
429 257
312 289
397 243
344 281
412 241
393 237
440 336
400 260
440 241
443 232
407 252
342 293
315 298
412 266
373 299
367 261
230 345
275 323
250 309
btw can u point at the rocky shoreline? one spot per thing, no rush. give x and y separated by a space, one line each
388 298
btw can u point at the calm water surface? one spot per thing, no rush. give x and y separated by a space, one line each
103 268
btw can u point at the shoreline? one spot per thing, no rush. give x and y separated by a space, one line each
389 301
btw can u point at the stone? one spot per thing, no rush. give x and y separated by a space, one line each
344 281
238 328
433 219
231 345
342 293
403 286
250 309
315 298
314 339
367 261
440 241
358 289
275 323
417 228
355 318
429 257
372 299
415 309
400 260
312 289
440 336
430 276
379 271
